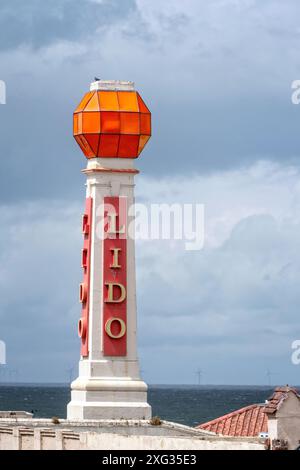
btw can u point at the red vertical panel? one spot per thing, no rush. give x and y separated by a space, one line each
115 278
83 326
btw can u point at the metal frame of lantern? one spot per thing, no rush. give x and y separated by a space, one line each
112 124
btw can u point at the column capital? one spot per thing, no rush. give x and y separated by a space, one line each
110 165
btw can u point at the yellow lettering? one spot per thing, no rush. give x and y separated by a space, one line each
115 264
112 226
110 293
122 328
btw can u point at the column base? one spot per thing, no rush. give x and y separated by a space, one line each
78 411
94 398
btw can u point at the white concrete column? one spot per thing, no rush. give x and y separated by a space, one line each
109 387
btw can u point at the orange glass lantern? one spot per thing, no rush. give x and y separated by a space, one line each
112 123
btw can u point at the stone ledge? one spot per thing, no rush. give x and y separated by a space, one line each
42 434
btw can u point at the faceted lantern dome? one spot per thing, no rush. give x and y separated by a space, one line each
112 123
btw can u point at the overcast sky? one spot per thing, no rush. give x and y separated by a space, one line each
217 77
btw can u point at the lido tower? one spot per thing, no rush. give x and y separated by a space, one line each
112 124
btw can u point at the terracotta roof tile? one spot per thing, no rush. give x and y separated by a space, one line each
233 424
239 425
248 421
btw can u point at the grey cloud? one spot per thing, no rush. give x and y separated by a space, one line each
211 308
35 24
211 111
39 275
224 298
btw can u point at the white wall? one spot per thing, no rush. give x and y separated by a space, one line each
16 438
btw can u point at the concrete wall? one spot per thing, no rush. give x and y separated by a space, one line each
117 442
37 439
286 424
37 434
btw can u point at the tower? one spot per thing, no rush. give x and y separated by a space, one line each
112 125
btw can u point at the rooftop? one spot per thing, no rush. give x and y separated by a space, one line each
279 396
251 420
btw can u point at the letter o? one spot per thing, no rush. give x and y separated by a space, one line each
82 292
82 328
108 328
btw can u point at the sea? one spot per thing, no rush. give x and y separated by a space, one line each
185 404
